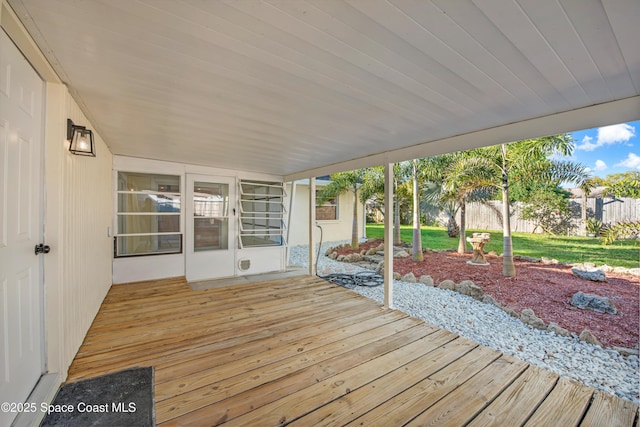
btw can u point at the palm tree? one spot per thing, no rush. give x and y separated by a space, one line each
341 183
373 188
451 188
526 161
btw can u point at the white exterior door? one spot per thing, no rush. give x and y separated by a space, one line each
21 100
211 227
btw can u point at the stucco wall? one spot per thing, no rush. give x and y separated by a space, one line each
335 230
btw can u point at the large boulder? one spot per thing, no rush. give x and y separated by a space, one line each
593 302
401 254
589 273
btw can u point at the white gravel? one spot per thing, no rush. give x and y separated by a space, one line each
486 324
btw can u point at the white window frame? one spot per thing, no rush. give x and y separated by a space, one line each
327 204
153 193
256 222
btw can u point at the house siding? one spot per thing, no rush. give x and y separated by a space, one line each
77 219
332 230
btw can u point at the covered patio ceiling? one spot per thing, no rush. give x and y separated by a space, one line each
301 88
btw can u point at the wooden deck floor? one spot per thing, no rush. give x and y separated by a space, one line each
304 352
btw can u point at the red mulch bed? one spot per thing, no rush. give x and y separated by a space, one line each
545 288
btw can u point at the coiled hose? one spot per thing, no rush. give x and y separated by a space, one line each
363 278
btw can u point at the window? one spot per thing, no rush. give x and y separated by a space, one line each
261 213
211 216
328 210
148 216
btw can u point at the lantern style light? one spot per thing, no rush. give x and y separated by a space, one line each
80 140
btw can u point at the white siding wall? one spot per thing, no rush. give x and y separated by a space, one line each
332 231
78 215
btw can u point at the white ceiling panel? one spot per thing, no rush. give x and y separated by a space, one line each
286 86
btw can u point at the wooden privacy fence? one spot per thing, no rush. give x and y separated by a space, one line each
608 210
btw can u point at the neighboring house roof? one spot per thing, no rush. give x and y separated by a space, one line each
596 192
299 89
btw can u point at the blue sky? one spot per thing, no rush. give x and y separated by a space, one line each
609 149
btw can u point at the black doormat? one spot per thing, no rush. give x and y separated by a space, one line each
123 398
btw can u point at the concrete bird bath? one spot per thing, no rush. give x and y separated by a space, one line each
478 240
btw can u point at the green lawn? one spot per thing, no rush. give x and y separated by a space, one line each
624 253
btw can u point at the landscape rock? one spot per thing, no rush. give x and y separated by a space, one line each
380 268
606 268
426 280
589 265
396 275
409 278
589 273
463 287
554 327
526 258
476 292
447 284
488 299
333 255
401 254
626 352
620 270
530 318
587 336
371 251
511 312
546 260
380 247
340 258
593 302
634 271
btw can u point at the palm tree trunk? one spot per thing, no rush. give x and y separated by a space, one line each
462 243
583 216
354 228
417 236
396 218
508 267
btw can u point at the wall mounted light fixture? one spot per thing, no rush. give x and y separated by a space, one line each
80 140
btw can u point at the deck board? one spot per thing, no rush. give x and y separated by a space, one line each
302 351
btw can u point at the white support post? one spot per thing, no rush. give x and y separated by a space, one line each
292 192
388 235
312 225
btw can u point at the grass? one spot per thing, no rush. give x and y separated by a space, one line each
623 253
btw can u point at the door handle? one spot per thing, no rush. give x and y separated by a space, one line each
42 248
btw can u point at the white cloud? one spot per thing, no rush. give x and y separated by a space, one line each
614 134
586 144
632 162
600 166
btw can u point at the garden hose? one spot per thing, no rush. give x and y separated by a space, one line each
363 278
